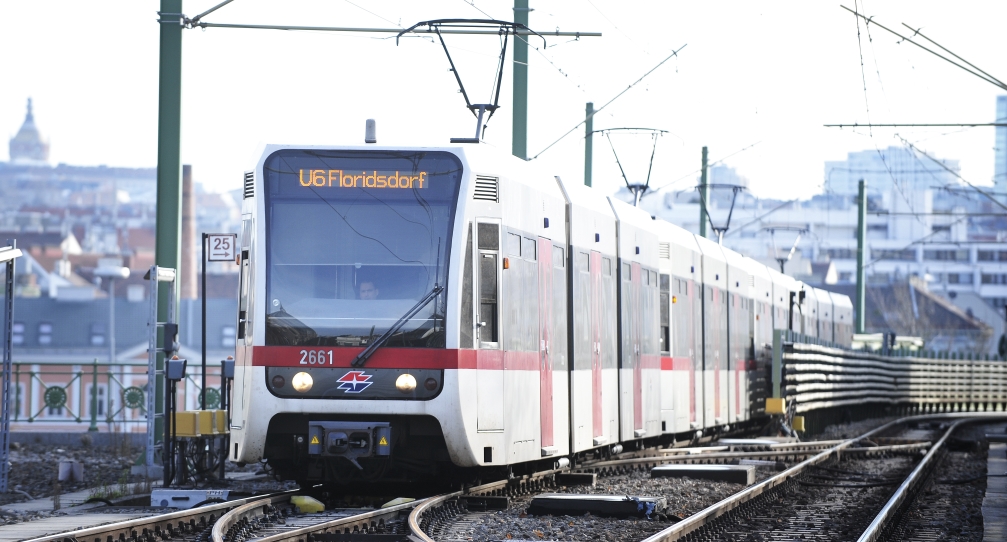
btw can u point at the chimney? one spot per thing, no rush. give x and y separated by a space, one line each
187 280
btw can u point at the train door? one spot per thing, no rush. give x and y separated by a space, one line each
631 376
243 350
597 412
545 299
489 358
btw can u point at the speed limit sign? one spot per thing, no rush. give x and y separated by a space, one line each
222 247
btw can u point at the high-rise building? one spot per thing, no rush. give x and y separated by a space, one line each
1000 167
895 168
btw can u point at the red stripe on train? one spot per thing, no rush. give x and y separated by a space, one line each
676 364
394 358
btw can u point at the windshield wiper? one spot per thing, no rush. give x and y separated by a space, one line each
362 357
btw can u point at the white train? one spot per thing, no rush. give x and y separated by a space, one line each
406 312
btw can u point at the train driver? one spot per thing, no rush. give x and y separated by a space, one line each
367 290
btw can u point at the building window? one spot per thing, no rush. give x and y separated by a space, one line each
840 253
45 333
946 255
97 334
845 276
994 279
227 336
959 278
17 333
991 255
905 255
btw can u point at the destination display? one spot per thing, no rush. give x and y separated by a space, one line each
366 179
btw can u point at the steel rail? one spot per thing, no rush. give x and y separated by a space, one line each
720 457
906 492
244 511
415 531
416 516
152 525
707 515
358 522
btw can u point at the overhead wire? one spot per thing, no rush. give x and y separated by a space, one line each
600 109
709 165
953 172
580 86
987 78
867 106
399 24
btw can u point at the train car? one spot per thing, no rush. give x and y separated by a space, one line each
825 315
593 314
843 319
809 311
410 313
639 349
785 316
715 333
740 309
758 371
682 371
388 309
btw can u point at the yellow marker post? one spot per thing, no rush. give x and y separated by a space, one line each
776 405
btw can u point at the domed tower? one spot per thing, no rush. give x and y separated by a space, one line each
28 147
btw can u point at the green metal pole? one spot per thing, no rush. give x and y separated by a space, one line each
861 243
519 129
94 396
702 198
588 143
169 166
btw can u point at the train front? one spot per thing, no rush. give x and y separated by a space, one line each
343 371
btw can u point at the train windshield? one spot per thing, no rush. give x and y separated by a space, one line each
354 239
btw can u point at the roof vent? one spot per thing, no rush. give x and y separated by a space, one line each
370 131
664 251
487 188
249 184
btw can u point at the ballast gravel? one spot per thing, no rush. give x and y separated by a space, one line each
34 466
684 496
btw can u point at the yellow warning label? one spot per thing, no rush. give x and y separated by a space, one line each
314 440
383 442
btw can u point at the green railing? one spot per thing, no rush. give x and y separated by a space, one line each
99 392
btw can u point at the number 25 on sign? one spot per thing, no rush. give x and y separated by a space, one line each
221 247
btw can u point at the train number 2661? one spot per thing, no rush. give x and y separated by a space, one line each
316 357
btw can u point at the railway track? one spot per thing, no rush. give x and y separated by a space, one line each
756 509
188 524
272 518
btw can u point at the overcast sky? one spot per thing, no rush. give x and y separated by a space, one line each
770 73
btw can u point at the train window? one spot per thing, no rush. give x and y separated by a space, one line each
467 323
666 283
488 298
513 244
558 257
529 249
606 267
489 236
584 261
626 272
653 278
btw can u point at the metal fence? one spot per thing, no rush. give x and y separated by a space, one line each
818 376
101 394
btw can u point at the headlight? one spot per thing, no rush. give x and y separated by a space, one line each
405 383
302 382
279 381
